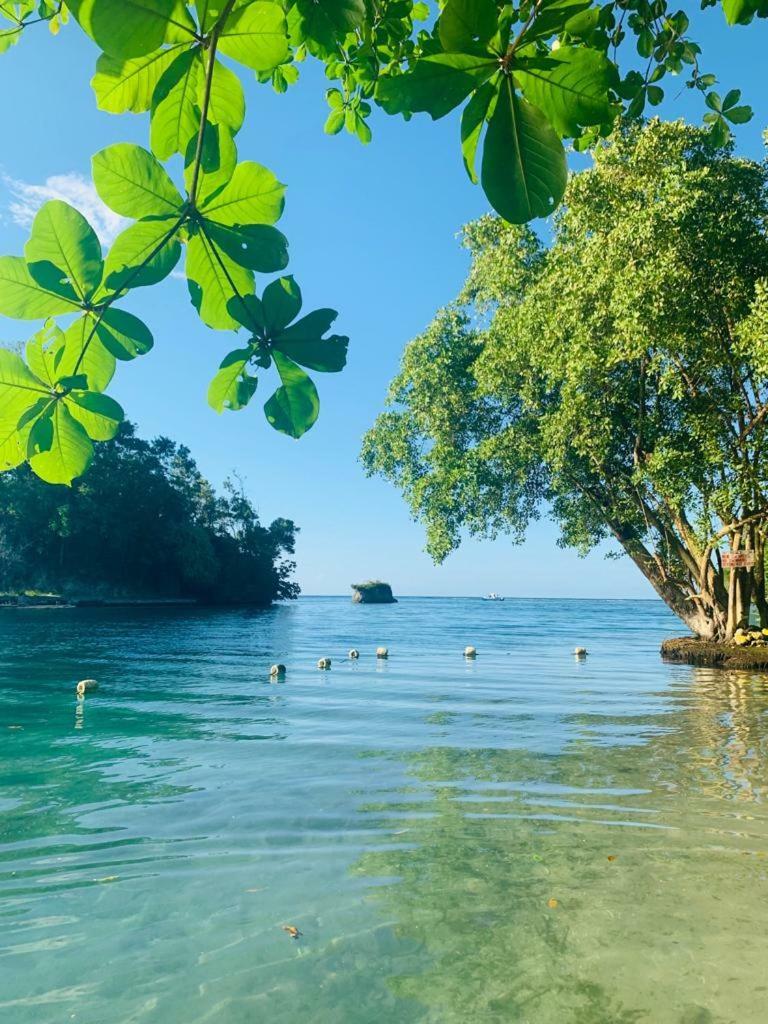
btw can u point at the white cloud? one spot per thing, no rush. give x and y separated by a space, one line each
26 200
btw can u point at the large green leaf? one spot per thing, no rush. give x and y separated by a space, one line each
524 170
226 104
435 84
181 25
208 12
84 353
13 439
17 378
473 119
571 87
124 84
175 111
248 311
553 16
123 334
328 22
253 195
304 342
132 183
256 246
141 255
232 387
58 447
465 23
294 407
23 298
256 35
126 28
99 414
741 12
218 161
280 304
213 280
44 352
20 390
63 248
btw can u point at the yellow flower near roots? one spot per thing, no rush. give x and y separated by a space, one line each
741 639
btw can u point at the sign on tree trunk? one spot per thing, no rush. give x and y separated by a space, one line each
738 559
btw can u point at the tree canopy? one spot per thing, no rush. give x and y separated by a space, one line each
143 523
530 75
617 378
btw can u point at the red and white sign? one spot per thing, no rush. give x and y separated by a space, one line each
738 559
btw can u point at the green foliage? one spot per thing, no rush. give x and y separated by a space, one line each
275 339
180 539
529 75
617 379
49 415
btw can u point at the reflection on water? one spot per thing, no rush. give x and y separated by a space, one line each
524 838
605 884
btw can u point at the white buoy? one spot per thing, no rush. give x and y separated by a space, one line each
580 652
324 663
382 652
277 670
354 653
86 686
470 652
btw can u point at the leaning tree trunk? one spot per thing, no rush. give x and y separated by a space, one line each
704 612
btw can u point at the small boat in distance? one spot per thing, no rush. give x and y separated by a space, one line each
493 597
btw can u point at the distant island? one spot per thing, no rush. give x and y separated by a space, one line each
373 592
142 525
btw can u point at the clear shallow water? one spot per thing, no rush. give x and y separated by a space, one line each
413 818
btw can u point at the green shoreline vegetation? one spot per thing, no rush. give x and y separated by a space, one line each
143 525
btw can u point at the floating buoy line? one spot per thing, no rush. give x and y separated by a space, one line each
279 671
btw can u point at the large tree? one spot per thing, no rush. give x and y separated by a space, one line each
617 378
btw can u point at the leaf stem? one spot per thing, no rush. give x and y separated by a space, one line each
230 282
507 58
126 284
213 45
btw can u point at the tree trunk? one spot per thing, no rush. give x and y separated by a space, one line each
703 613
758 579
738 596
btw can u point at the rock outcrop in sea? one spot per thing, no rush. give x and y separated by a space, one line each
372 592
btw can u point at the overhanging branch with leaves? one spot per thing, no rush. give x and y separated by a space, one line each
533 74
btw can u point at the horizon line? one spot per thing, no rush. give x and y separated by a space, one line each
479 597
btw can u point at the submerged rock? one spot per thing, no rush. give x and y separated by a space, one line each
373 592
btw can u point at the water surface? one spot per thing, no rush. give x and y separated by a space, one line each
521 838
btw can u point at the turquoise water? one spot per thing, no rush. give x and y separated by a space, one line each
522 838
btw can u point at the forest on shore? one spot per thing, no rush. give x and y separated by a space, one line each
143 523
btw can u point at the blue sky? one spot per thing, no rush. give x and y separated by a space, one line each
373 233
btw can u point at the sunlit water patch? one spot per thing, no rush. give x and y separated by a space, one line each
520 838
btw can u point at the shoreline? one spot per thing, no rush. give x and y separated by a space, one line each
56 601
689 650
47 602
